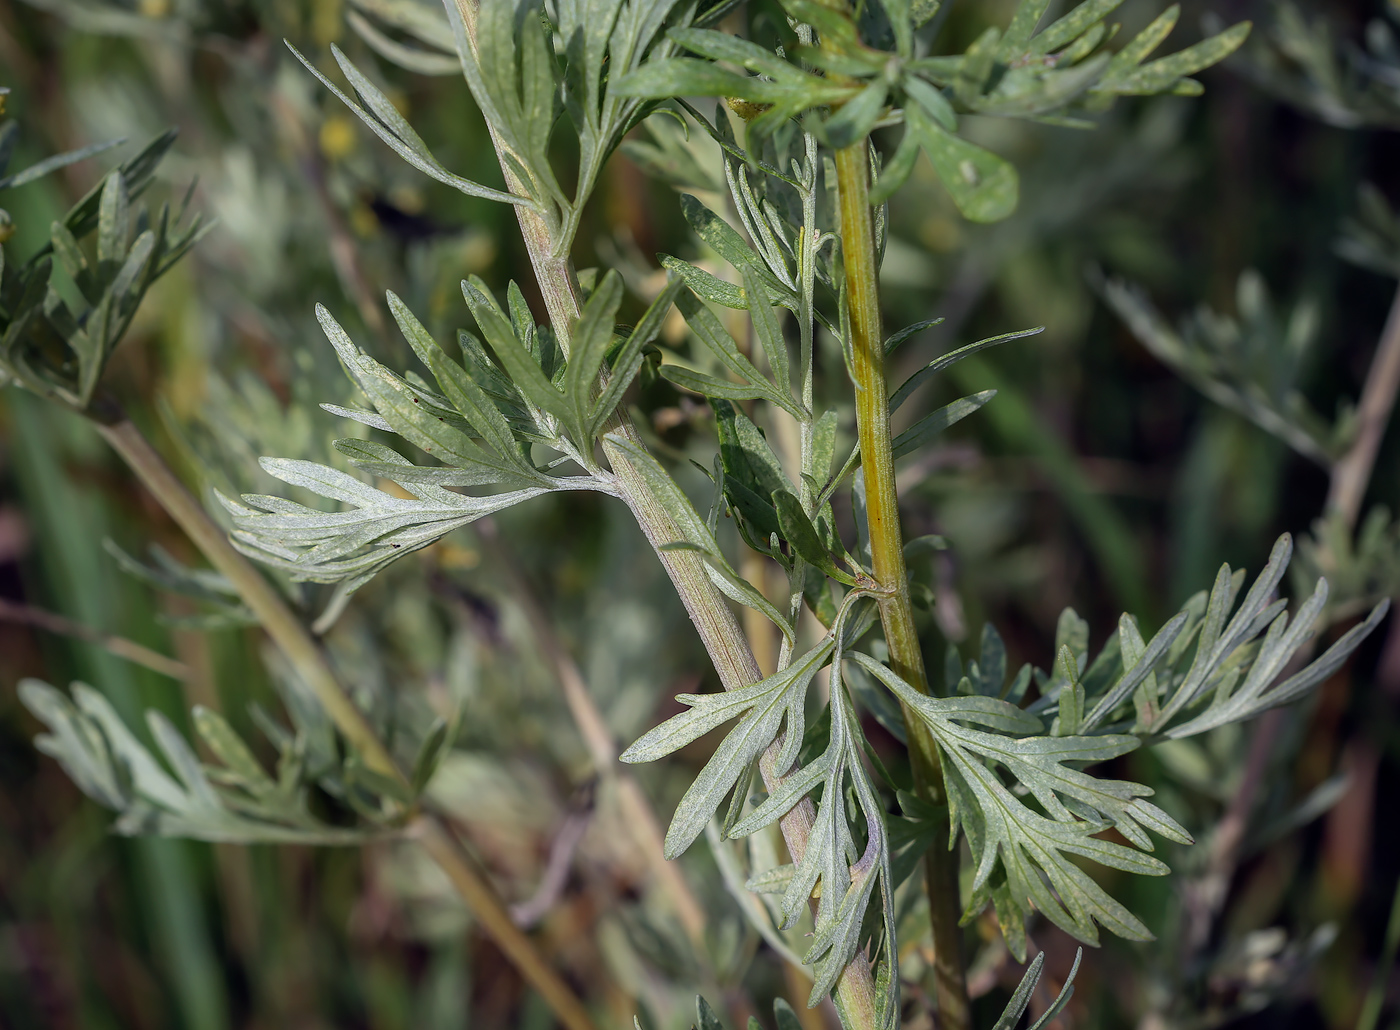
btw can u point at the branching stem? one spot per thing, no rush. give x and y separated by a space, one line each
257 593
887 557
711 615
306 657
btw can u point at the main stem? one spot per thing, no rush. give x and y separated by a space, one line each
711 615
307 659
887 559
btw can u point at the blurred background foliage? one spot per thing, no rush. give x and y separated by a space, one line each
1099 478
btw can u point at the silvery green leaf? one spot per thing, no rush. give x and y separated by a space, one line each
835 25
975 70
705 1018
591 338
944 361
705 285
1125 75
1071 26
846 889
856 117
709 386
798 531
414 59
716 338
628 360
1002 830
724 240
1021 997
465 394
74 261
924 430
1019 31
724 46
114 768
1139 661
430 753
991 661
137 173
51 164
752 471
181 757
353 545
384 462
1254 696
113 220
895 173
983 186
164 572
1217 640
424 420
391 127
76 742
771 881
228 747
1027 93
690 77
522 367
766 328
761 709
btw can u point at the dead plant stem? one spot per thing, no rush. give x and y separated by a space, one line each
1352 472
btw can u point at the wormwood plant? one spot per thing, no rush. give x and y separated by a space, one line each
996 762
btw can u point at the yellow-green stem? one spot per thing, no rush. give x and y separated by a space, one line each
887 559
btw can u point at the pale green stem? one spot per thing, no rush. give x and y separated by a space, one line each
887 559
711 615
308 661
278 620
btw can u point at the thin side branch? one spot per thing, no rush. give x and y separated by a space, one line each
1352 473
119 646
637 812
472 884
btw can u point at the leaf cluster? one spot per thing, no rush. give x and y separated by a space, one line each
112 252
845 87
786 1019
172 793
480 419
526 64
1301 60
1250 362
